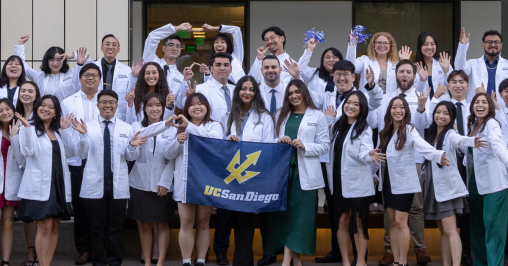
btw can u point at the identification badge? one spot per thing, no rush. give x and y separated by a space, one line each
122 76
164 137
440 72
67 78
482 135
123 136
311 124
177 80
505 68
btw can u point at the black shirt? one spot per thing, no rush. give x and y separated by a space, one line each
105 70
11 93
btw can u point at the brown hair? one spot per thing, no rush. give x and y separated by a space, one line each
186 106
386 134
287 107
472 120
142 87
460 73
393 55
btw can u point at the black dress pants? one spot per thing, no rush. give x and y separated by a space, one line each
245 226
464 219
222 230
81 226
106 218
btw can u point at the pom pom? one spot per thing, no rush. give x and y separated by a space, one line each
359 32
319 36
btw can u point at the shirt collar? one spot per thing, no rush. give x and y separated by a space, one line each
464 102
113 120
216 83
246 115
278 88
409 92
488 63
104 62
85 97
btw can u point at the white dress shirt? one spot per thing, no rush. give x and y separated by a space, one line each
280 90
255 70
89 105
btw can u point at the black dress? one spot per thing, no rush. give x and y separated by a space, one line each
399 202
56 206
348 205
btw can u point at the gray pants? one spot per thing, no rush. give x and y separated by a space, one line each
415 221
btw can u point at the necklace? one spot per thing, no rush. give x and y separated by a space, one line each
490 67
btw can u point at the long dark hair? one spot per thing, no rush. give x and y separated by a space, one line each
361 120
471 121
37 121
186 106
433 127
50 54
323 74
20 109
9 103
4 80
386 134
421 41
162 101
228 41
142 87
287 107
257 104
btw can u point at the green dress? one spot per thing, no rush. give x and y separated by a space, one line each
296 227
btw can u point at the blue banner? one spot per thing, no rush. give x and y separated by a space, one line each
239 176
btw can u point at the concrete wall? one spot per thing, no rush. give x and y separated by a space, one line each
478 17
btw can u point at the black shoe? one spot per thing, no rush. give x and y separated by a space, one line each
199 264
267 260
154 261
466 260
222 258
186 264
328 258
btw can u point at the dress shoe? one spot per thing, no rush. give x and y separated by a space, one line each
387 259
267 260
466 260
83 258
222 258
422 258
505 260
328 258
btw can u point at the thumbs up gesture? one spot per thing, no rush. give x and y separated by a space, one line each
480 89
129 97
170 100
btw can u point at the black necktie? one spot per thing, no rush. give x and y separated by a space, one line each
107 149
166 70
330 85
460 119
402 95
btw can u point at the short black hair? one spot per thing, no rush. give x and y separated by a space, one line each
503 85
220 55
270 56
50 54
492 32
277 31
110 35
405 62
172 37
88 66
109 92
344 65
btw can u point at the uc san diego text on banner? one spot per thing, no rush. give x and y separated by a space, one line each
238 176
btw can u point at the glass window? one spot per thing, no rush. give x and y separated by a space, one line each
196 45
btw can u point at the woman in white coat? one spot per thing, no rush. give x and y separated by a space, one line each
438 67
352 155
488 184
399 182
303 126
11 175
13 75
45 189
151 178
445 192
195 119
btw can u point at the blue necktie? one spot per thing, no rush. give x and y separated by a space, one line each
107 149
273 102
227 96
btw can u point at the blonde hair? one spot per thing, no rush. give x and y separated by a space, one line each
393 54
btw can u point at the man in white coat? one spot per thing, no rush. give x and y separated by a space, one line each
107 143
83 105
487 72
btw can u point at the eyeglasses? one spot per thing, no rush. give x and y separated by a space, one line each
382 43
340 75
492 42
93 76
107 102
172 45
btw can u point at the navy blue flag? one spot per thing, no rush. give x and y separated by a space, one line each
239 176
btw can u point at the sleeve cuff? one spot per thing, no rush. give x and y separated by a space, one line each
369 88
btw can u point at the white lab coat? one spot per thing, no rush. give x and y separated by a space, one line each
490 164
309 75
122 83
215 96
258 128
313 132
74 105
501 118
424 120
438 75
174 77
153 168
477 71
91 147
402 168
38 151
132 117
5 94
13 171
447 180
255 70
356 165
179 152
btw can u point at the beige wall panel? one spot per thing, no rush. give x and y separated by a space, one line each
80 26
137 30
478 17
48 26
113 17
16 20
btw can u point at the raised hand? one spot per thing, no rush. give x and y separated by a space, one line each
170 100
479 143
494 99
14 128
79 126
184 26
192 89
234 138
136 68
285 139
422 100
353 39
136 140
22 119
66 122
81 55
422 71
187 72
330 111
181 138
440 91
480 89
311 44
464 39
405 53
203 68
376 156
292 68
23 39
369 75
444 61
207 27
261 52
183 122
170 121
129 97
298 144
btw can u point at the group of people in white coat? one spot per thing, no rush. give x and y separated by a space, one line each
105 136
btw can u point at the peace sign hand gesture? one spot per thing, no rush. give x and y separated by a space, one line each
14 128
192 89
136 140
422 100
22 119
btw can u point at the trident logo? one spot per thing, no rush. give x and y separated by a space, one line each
236 173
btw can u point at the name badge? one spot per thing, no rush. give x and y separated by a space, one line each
67 78
122 76
177 80
164 137
440 72
482 135
393 68
505 68
123 136
412 103
311 124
